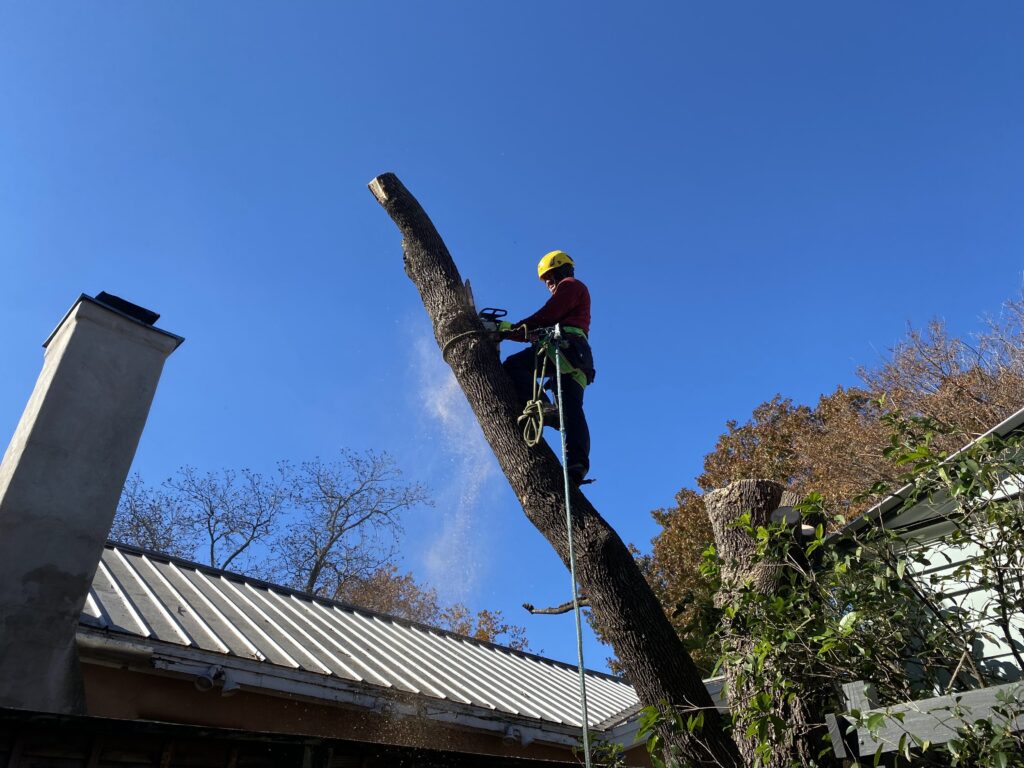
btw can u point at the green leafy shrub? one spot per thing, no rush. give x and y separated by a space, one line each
909 612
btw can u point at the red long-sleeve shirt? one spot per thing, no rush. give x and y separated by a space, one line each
568 305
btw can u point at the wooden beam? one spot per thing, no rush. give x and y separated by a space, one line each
860 696
936 720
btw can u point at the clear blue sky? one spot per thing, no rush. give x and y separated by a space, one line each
760 196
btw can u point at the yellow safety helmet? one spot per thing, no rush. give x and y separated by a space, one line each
553 260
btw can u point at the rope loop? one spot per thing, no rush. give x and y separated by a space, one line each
533 414
447 345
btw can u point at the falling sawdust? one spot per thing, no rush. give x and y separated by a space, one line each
451 559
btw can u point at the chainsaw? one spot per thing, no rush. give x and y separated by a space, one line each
492 322
491 319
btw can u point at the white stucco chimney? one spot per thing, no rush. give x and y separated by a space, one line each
60 481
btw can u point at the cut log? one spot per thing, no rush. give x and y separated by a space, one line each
799 742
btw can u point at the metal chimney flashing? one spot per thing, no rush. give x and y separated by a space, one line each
178 340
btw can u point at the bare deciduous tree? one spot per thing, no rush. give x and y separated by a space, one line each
234 511
330 528
347 520
150 518
223 514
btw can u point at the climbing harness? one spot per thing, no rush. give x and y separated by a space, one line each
547 347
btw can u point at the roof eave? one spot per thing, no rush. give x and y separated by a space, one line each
885 509
139 654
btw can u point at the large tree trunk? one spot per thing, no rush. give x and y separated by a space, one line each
798 742
624 607
735 547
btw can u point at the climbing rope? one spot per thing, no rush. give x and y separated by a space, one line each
532 417
533 428
533 413
572 553
456 337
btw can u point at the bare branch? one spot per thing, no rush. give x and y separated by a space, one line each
558 609
347 520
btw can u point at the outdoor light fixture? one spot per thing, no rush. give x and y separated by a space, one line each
230 686
206 680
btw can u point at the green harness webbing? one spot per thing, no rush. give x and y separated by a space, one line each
547 349
578 376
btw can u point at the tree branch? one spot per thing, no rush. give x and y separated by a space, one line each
558 609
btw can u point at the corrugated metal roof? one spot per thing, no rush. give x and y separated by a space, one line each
145 595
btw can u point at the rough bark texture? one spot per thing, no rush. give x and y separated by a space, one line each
629 614
735 547
736 550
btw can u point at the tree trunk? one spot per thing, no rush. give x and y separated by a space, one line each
736 547
625 608
798 741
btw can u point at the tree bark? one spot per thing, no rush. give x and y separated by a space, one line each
623 604
736 547
798 743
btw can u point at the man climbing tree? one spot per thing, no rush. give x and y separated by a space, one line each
569 306
621 601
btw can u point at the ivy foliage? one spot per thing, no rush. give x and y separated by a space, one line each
923 597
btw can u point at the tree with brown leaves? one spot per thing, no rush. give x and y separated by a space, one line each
835 448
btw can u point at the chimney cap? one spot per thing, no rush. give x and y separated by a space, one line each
125 307
122 307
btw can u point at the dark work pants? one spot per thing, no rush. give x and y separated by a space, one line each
520 367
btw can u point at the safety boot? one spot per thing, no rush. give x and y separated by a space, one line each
576 474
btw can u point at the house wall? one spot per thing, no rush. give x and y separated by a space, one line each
965 595
34 740
121 693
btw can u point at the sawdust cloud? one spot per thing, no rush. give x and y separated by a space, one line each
452 559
